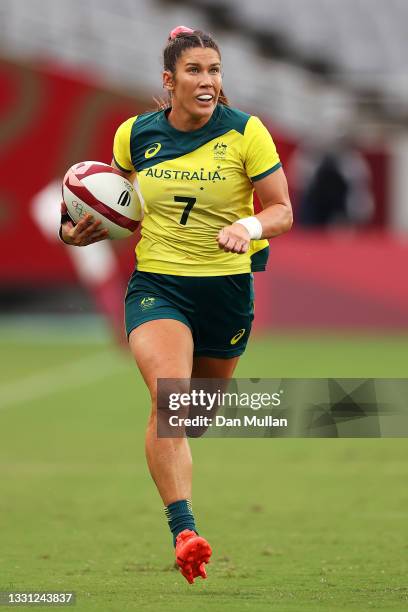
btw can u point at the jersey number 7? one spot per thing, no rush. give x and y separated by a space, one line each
189 206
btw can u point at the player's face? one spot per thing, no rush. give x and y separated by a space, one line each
196 84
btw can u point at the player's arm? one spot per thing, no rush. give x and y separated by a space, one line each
129 175
276 217
264 170
122 158
87 230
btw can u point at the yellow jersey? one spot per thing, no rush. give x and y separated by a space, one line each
193 184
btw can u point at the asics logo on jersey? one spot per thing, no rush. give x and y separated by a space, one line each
238 336
151 151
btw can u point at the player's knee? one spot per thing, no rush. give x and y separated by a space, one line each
171 394
167 391
170 398
152 420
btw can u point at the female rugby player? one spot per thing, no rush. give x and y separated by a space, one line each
189 303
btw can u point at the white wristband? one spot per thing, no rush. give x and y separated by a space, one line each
254 227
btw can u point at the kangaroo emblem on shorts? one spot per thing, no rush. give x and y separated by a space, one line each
147 302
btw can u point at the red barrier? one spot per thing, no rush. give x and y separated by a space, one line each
334 280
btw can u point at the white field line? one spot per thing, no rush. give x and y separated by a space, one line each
69 376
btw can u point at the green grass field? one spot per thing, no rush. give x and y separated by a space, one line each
295 524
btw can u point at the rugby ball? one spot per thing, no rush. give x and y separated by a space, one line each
96 188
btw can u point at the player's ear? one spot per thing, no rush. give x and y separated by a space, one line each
168 82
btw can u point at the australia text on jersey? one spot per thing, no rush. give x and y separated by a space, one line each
185 175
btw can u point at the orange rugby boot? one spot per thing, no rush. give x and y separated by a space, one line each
192 553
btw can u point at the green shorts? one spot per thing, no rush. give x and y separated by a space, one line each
218 309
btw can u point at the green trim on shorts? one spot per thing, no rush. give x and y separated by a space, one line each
220 354
157 317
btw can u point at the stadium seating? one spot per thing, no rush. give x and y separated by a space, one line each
356 43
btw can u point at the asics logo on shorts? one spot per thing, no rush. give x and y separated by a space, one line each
151 151
237 336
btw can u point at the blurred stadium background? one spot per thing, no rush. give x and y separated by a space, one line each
330 80
331 83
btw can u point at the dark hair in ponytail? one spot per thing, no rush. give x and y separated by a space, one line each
183 39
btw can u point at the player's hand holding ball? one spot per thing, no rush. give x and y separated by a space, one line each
99 202
86 231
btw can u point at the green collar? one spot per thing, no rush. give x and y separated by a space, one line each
196 133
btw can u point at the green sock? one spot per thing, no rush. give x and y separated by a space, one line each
180 516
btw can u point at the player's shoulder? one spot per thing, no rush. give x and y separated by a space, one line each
127 124
147 120
234 118
240 121
141 121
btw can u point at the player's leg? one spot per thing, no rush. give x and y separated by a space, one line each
211 367
224 322
193 552
164 349
224 333
160 337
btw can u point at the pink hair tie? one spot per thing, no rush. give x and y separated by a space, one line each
180 30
